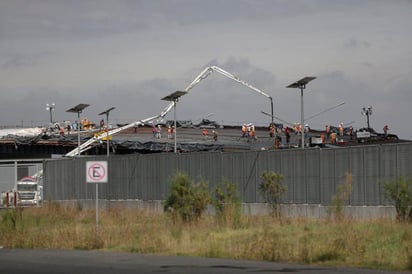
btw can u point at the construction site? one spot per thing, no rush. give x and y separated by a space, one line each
295 150
155 134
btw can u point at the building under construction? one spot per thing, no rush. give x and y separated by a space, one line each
205 136
150 136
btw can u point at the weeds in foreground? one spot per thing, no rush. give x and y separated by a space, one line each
340 198
399 191
227 205
272 190
381 244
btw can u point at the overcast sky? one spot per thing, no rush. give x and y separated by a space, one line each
130 54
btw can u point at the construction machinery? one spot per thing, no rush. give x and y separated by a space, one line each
29 191
203 75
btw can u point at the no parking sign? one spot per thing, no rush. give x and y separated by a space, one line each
96 172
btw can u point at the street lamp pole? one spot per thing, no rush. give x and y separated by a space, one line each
106 112
367 111
174 97
301 84
174 128
78 109
272 116
50 108
301 117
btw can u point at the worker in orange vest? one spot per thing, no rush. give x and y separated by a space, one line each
252 133
333 137
272 129
205 133
341 129
322 136
169 132
244 130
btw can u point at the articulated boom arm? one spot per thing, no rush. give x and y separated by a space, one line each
207 71
86 145
203 75
230 76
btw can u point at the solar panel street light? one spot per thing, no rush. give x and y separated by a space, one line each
78 109
367 111
301 84
106 112
50 108
174 97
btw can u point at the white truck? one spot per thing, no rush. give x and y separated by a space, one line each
29 191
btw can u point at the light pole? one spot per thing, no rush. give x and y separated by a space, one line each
174 97
107 130
367 111
50 108
301 84
78 109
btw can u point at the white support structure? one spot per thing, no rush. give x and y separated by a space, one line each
203 75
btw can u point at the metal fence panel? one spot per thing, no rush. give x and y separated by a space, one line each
288 171
313 176
372 175
327 175
237 170
228 167
203 167
250 186
358 176
310 175
123 171
299 175
404 161
342 170
388 168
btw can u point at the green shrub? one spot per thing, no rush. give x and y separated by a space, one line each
186 200
400 192
272 190
227 204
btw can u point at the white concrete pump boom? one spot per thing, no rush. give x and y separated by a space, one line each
204 74
207 71
86 145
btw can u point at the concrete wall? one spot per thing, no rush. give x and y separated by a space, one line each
252 209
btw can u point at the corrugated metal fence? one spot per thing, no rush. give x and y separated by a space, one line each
311 175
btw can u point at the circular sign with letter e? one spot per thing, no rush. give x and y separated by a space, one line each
96 171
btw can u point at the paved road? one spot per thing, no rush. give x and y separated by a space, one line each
19 261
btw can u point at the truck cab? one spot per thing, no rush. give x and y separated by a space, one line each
29 192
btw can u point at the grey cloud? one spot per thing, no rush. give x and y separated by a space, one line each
153 43
17 61
356 43
59 19
100 18
366 64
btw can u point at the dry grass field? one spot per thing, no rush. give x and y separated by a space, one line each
379 244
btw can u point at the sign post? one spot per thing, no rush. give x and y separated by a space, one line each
96 172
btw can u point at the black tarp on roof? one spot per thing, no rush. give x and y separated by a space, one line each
155 147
